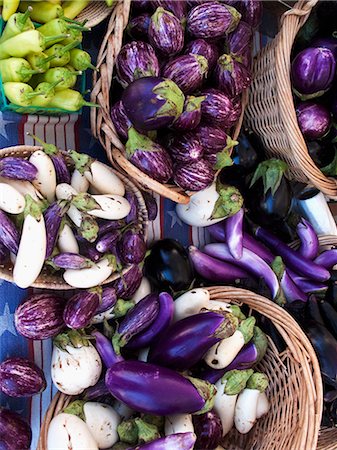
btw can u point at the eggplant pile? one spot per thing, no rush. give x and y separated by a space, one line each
80 222
183 68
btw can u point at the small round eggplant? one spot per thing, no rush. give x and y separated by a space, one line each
120 120
195 65
208 429
166 32
213 139
80 309
186 148
251 11
191 115
176 8
138 26
313 119
218 109
195 176
15 429
231 76
204 48
131 247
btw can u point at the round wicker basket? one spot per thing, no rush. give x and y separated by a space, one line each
271 111
95 13
56 282
295 389
101 123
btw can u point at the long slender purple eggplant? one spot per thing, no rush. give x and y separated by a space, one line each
71 261
108 300
17 431
158 326
17 169
157 390
9 235
53 218
292 291
309 240
309 286
181 441
104 243
257 247
20 377
40 316
105 349
186 341
213 269
234 234
4 254
80 309
132 247
327 259
291 258
127 284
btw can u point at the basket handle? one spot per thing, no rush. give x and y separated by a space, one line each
302 10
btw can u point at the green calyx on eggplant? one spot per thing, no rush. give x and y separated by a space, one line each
230 201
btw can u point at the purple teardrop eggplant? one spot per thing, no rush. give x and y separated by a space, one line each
138 26
212 20
108 300
15 429
120 120
251 11
53 218
186 148
178 8
136 60
191 115
181 441
240 39
105 242
80 309
132 247
204 48
231 76
213 139
127 284
166 32
71 261
40 316
313 119
218 109
17 169
208 429
61 168
20 377
195 176
9 235
196 66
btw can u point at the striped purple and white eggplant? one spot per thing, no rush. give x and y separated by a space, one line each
195 176
186 148
203 48
186 341
251 11
131 247
208 429
108 300
218 109
181 441
240 39
138 26
212 20
17 169
90 252
150 157
81 308
20 377
105 349
40 316
133 214
213 139
156 390
53 218
191 115
15 432
195 65
106 241
151 205
4 254
231 76
135 60
105 225
166 32
127 284
71 261
9 235
120 120
176 8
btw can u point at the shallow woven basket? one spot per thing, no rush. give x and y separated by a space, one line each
95 13
271 111
295 389
56 282
101 123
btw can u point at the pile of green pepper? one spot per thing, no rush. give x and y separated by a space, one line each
39 66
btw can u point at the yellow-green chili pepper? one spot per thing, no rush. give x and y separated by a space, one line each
59 55
60 26
69 100
42 12
57 74
17 23
47 91
19 93
74 35
38 61
16 69
9 8
80 60
73 8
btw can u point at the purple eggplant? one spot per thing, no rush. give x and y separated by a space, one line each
90 252
53 218
186 148
308 286
131 247
292 291
195 176
195 65
133 214
208 429
326 42
105 349
153 102
309 240
157 390
9 235
71 261
138 26
186 341
212 20
234 233
251 11
313 72
20 377
40 316
313 119
104 243
191 115
181 441
120 120
231 76
16 430
327 259
149 157
218 109
151 205
127 284
136 60
158 326
105 226
213 139
108 300
17 169
176 8
166 32
80 309
4 254
240 40
204 48
96 391
215 270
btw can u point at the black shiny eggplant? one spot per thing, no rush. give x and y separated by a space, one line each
330 317
168 266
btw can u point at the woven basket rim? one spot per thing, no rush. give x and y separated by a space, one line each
95 13
56 282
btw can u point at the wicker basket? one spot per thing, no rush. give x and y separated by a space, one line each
295 390
56 282
95 13
271 111
101 123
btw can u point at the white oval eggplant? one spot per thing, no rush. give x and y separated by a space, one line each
66 241
224 406
245 410
79 182
24 187
102 421
190 303
104 180
67 431
11 201
215 305
263 405
45 181
178 423
114 207
87 278
143 290
224 351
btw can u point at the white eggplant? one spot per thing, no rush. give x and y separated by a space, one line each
104 180
143 290
214 305
79 182
178 423
65 191
24 187
66 241
11 201
93 191
190 303
45 181
113 207
90 277
67 431
263 405
143 354
316 210
102 421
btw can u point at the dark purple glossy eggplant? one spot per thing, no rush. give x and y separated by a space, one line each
133 214
293 291
191 115
71 261
234 234
4 254
158 326
231 76
240 39
176 8
181 441
153 102
20 377
309 241
104 243
105 349
186 148
166 32
132 247
195 65
15 430
218 109
150 157
9 235
40 316
157 390
194 176
151 205
212 138
251 11
108 300
256 247
138 26
204 48
136 60
186 341
80 309
212 20
17 169
53 217
120 120
208 429
313 119
127 284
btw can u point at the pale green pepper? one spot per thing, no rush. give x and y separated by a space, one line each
16 69
19 93
17 23
69 100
